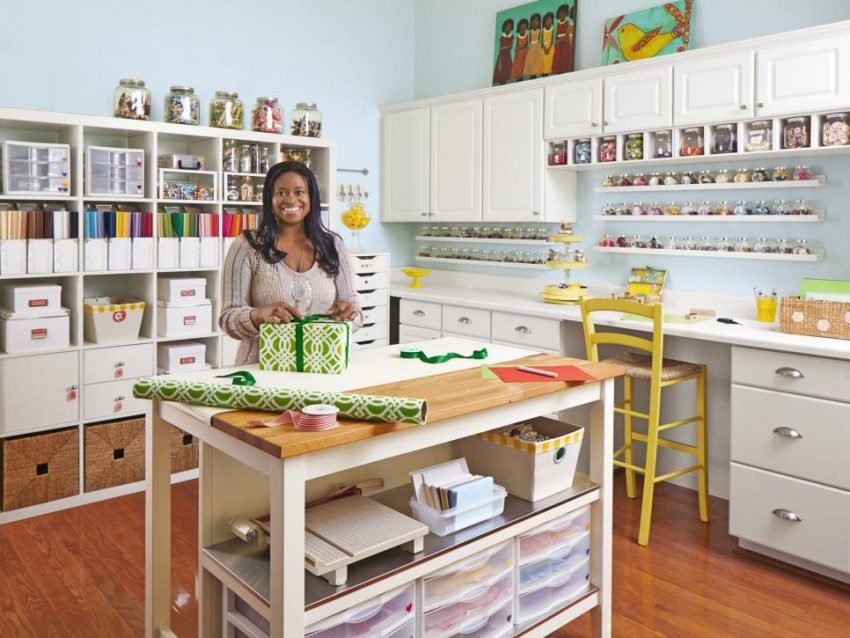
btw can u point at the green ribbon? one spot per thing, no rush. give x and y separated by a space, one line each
242 377
299 336
408 353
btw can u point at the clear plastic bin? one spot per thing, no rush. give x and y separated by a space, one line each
496 625
387 616
559 560
455 582
560 590
461 617
540 541
446 522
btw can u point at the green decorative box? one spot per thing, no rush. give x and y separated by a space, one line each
315 344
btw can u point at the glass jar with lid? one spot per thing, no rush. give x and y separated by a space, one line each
780 207
742 176
781 174
706 243
638 209
306 120
688 178
760 175
836 129
725 139
608 149
724 208
803 173
801 247
634 146
796 132
655 179
689 243
182 106
742 208
692 142
672 208
671 179
743 245
640 180
131 100
557 153
655 209
759 136
671 243
688 208
623 209
583 154
609 181
761 245
662 144
637 242
705 208
761 208
705 177
800 207
227 110
723 176
609 209
267 116
724 245
783 247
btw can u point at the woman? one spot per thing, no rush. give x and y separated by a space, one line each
534 57
291 266
518 67
502 70
563 62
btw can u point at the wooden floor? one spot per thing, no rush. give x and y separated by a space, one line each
80 573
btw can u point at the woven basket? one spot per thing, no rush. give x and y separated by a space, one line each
184 451
39 467
114 453
815 318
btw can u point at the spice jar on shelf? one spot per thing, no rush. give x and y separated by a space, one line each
688 208
742 208
131 100
803 173
634 146
557 153
608 149
725 139
182 106
760 175
267 116
662 144
742 176
836 129
306 120
692 142
781 174
800 208
722 177
226 110
795 133
759 136
583 153
638 209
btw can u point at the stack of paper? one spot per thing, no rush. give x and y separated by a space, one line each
450 485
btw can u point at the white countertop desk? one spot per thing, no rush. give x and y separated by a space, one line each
239 478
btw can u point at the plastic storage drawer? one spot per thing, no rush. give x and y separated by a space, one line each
557 592
462 617
559 560
457 581
381 617
540 541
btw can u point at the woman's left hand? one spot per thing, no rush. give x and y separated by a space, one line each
343 311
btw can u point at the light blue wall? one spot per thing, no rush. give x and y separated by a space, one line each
348 57
448 32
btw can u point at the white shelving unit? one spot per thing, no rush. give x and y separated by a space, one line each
816 216
155 138
712 254
818 181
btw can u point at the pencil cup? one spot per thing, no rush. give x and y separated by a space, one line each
766 309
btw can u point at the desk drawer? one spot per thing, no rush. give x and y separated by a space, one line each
531 332
820 452
795 373
468 322
372 298
419 313
366 264
371 331
370 281
374 343
411 334
101 400
124 362
822 535
373 314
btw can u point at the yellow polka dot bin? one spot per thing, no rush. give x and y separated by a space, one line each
112 319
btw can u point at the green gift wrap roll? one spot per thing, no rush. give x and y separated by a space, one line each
316 343
365 407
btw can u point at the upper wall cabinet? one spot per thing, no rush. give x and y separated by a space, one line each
573 109
456 161
714 90
513 157
803 77
639 100
405 165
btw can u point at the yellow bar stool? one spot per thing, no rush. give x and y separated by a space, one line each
661 373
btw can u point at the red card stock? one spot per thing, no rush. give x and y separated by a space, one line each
565 373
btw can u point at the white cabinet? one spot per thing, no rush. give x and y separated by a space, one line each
573 109
803 77
405 165
39 391
639 100
714 90
513 157
456 161
371 281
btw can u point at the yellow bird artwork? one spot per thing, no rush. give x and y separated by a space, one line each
638 45
647 33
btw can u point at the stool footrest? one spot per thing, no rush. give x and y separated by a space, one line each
665 477
676 424
629 466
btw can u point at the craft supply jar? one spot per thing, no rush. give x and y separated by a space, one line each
781 174
227 110
795 133
634 146
306 120
689 243
801 247
662 144
688 208
622 242
742 176
706 243
638 209
557 153
705 177
783 247
583 152
724 208
836 129
803 173
655 209
761 208
741 208
622 209
653 242
671 243
743 245
759 136
637 242
800 207
692 142
182 106
672 208
608 149
724 245
655 179
609 181
131 100
671 179
761 245
688 178
640 180
705 208
609 209
267 116
780 207
760 175
725 139
624 181
722 177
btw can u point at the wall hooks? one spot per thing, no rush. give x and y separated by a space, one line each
351 192
364 171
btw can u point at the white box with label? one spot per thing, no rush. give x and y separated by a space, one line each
23 332
183 356
179 320
40 300
185 291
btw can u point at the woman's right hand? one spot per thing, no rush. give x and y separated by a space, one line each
274 313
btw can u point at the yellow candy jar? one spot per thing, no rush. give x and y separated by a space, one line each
355 218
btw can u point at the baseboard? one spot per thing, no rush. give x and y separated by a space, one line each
795 563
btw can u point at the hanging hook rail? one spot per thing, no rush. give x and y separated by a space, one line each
365 171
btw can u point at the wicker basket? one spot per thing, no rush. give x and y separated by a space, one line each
184 451
39 467
114 453
815 318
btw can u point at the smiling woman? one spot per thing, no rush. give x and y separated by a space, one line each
291 266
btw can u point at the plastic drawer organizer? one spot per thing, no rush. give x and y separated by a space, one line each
468 615
115 171
36 168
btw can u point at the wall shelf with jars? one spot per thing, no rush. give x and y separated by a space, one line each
742 210
537 265
802 135
539 236
815 216
714 248
725 184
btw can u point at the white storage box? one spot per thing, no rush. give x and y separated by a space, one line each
95 254
66 255
185 356
181 291
380 617
528 470
13 256
168 249
39 256
39 300
24 332
181 320
119 253
115 171
142 253
112 319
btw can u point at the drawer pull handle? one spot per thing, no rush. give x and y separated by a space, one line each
743 107
418 313
790 433
120 397
787 515
523 330
119 364
760 105
464 320
793 373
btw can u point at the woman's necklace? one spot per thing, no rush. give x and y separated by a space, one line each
301 288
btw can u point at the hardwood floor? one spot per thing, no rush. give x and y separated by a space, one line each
80 573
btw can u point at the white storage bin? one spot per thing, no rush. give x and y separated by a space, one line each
42 299
456 582
560 590
142 253
13 256
446 522
36 168
181 290
120 253
530 471
115 171
66 255
181 320
25 332
112 319
381 617
462 618
168 252
560 559
540 541
39 256
185 356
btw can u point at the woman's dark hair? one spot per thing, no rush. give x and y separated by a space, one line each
565 9
505 24
549 15
265 239
522 21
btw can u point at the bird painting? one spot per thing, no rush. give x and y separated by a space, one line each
645 34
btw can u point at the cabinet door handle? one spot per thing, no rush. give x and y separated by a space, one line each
119 364
787 515
523 330
743 107
424 214
418 313
535 212
464 320
71 387
793 373
605 123
120 397
789 433
760 105
595 124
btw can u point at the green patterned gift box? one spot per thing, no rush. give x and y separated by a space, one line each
315 343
